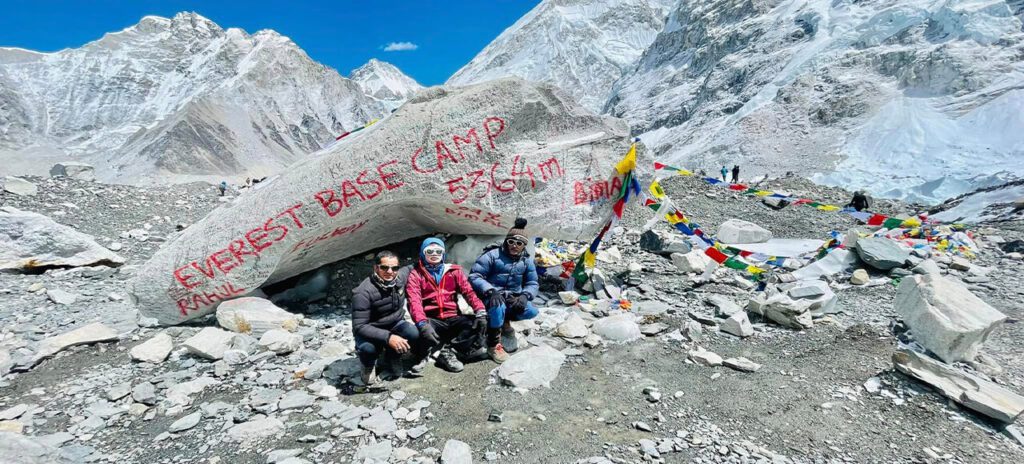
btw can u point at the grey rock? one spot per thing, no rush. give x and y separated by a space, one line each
19 186
85 335
255 430
619 328
736 231
74 170
380 422
741 364
724 306
375 452
281 341
255 316
144 393
209 343
705 358
738 324
296 399
186 422
973 392
945 317
33 241
881 253
61 297
572 327
531 368
155 350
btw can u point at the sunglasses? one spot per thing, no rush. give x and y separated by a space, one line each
433 251
389 268
515 242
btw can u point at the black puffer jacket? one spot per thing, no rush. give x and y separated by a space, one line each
375 310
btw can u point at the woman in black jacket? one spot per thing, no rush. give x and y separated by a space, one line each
377 317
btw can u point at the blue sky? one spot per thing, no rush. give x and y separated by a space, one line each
342 34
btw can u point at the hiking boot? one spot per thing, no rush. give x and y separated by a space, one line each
497 353
369 376
509 339
448 361
417 369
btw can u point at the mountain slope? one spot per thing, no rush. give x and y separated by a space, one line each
908 99
385 82
582 46
175 99
912 99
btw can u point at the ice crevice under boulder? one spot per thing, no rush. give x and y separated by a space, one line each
464 160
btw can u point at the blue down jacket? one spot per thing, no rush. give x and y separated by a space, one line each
496 269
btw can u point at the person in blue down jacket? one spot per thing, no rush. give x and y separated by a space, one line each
506 279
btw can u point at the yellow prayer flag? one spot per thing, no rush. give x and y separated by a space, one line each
629 162
828 208
754 270
683 172
911 222
371 123
589 260
762 193
656 190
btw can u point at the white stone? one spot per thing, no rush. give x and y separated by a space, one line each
572 327
186 422
705 358
155 350
209 343
972 392
859 277
31 241
61 297
255 430
619 328
787 312
19 186
181 394
531 368
741 364
693 262
375 452
808 289
255 316
569 297
492 112
736 231
738 324
724 306
945 317
296 399
74 170
280 341
85 335
456 452
380 422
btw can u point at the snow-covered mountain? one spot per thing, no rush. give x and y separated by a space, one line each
915 99
582 46
385 82
172 100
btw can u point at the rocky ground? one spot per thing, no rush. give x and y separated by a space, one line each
824 394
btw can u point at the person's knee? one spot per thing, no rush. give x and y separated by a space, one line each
366 348
529 313
408 332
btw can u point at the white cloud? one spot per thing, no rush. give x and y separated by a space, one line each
400 47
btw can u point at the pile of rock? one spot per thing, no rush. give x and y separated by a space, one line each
794 304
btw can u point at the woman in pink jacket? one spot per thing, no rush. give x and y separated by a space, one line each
432 290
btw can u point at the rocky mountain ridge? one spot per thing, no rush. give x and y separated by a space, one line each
174 99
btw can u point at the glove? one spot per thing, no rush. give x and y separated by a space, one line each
429 335
517 303
494 298
480 324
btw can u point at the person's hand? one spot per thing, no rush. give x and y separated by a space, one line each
480 324
399 344
522 300
494 298
429 334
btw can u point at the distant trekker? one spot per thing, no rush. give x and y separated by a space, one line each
860 201
725 173
223 187
735 173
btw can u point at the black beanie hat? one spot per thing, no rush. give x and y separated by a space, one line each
518 230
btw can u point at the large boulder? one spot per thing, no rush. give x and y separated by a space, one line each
74 170
464 160
19 186
255 316
31 241
531 368
881 253
945 317
739 231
